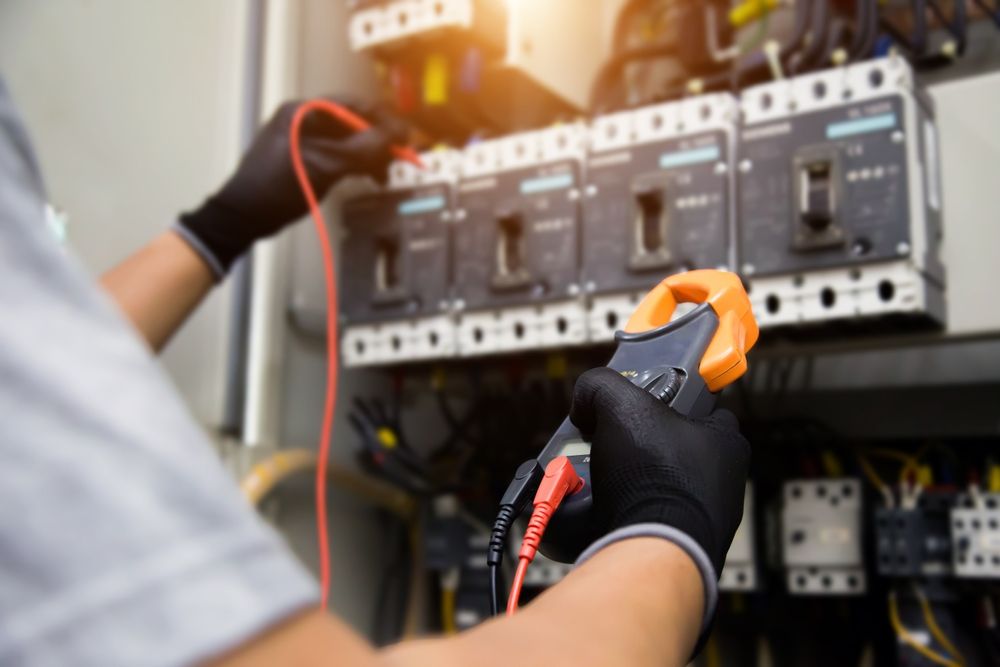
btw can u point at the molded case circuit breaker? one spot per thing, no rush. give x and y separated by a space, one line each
395 266
516 242
839 196
658 201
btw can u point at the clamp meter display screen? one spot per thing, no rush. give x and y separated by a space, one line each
575 448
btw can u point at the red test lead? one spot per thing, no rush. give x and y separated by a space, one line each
560 481
358 124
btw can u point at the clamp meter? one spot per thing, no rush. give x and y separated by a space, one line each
684 363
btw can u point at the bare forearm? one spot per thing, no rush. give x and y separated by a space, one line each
638 602
159 286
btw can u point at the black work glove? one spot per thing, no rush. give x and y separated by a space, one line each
263 196
650 464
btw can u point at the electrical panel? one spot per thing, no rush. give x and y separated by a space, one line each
839 212
975 530
395 255
516 236
821 536
915 542
657 201
740 571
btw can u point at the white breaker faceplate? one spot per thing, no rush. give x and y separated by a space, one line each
535 326
829 294
740 571
821 537
875 289
402 19
975 537
413 339
608 313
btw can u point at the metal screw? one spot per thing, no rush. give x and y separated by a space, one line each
591 191
897 137
721 168
745 166
460 214
903 248
749 269
572 289
573 194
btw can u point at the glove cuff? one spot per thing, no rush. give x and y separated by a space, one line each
709 578
208 230
640 494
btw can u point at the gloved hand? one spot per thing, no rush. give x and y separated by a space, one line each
650 464
263 195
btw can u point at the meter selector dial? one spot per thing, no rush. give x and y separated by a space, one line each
663 383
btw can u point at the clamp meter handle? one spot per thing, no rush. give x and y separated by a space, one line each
684 363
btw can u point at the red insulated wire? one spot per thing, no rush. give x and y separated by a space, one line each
518 583
560 481
358 124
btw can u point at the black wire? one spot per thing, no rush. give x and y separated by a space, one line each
813 52
865 30
496 588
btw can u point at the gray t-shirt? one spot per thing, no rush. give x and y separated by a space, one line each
123 541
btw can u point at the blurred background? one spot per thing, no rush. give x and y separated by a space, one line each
840 156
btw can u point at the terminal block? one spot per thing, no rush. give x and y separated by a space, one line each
915 542
839 197
821 536
975 534
516 236
740 571
395 257
658 200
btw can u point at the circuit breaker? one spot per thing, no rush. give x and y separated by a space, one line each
821 536
395 266
975 530
657 201
839 198
516 235
915 542
740 571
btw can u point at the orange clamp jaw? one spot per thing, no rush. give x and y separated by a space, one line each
724 360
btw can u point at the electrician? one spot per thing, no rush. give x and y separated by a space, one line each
123 541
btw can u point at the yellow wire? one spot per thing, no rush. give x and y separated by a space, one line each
935 629
908 639
869 471
448 611
712 656
892 454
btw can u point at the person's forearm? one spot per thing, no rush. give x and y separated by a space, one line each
638 602
159 286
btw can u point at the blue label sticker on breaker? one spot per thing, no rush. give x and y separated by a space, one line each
848 128
689 157
546 183
421 205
